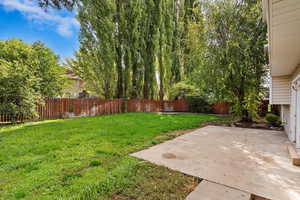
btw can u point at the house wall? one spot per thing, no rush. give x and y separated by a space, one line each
285 11
283 19
284 31
280 90
295 103
282 94
76 86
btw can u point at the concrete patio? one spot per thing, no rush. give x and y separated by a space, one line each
248 160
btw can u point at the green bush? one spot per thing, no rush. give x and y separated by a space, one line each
17 96
273 119
95 163
28 74
183 90
199 104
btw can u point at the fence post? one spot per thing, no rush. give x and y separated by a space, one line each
124 105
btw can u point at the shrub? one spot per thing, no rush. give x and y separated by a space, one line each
273 119
199 104
17 96
183 90
95 163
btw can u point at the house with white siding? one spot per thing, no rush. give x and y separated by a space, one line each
283 20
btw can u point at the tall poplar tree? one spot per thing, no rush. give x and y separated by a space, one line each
97 52
144 48
133 59
151 23
119 31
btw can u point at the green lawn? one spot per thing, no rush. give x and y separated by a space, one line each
88 158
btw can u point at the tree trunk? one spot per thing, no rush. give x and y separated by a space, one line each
146 89
126 73
176 76
134 89
241 96
188 6
245 116
149 51
161 69
120 89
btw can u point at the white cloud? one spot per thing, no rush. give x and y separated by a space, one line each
65 25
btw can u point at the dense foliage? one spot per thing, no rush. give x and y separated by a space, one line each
273 119
233 67
28 73
183 90
145 48
198 104
137 48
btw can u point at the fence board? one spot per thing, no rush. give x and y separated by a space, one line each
55 108
221 108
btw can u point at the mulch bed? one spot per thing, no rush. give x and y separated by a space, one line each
234 123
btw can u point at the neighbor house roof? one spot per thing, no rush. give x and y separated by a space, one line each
71 75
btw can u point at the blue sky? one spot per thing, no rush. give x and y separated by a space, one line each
23 19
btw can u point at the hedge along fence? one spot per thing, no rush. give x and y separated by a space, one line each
263 109
56 108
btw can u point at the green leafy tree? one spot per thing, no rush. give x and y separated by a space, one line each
17 94
133 43
141 49
29 73
193 42
97 54
235 63
51 76
182 90
151 24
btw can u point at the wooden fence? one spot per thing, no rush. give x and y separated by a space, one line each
67 108
143 105
264 108
221 108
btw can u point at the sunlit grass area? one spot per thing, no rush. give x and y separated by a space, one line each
88 158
